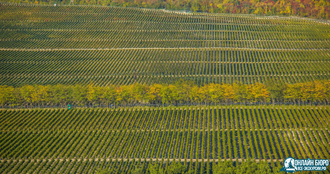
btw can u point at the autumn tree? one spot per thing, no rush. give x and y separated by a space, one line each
91 93
311 92
241 92
43 93
123 94
7 95
258 92
215 92
28 94
305 8
228 92
153 95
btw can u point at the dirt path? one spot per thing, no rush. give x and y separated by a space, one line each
177 130
131 159
152 30
153 76
166 22
161 61
156 48
156 40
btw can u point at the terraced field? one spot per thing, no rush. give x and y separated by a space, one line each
84 140
108 45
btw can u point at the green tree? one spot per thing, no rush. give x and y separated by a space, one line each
79 95
176 168
326 85
184 89
58 94
293 92
225 167
248 167
12 96
169 94
155 169
109 94
139 92
276 89
263 167
104 171
138 170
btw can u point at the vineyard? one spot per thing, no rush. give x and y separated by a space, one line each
84 140
109 45
100 56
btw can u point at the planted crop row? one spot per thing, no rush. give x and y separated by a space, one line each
56 166
159 66
103 119
211 134
155 46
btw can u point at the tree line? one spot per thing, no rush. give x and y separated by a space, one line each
305 8
226 167
179 93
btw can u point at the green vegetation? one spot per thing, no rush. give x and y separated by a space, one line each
246 167
107 45
89 140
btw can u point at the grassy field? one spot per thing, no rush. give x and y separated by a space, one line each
83 140
108 45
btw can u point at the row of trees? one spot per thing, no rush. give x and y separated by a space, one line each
306 8
246 167
182 92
